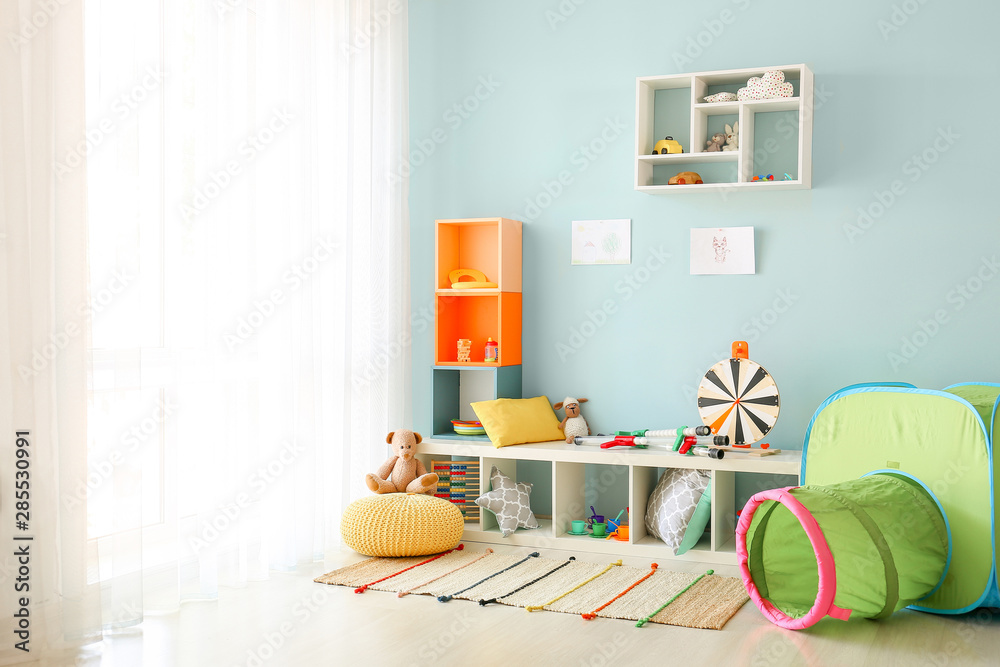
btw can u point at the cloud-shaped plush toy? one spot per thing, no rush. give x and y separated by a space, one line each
769 86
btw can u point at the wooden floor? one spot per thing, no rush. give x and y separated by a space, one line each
289 620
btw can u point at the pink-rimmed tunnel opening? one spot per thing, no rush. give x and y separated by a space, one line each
827 588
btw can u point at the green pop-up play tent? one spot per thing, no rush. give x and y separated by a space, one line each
896 509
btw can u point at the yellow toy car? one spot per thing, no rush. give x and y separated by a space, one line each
686 178
667 145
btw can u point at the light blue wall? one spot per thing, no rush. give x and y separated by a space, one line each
883 96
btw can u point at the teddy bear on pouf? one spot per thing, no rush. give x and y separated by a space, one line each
402 472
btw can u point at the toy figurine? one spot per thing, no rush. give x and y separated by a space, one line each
573 424
667 145
732 137
715 143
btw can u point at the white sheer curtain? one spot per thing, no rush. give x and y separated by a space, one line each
43 337
248 276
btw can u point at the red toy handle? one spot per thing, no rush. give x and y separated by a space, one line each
619 441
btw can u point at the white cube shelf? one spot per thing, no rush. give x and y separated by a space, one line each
717 546
698 85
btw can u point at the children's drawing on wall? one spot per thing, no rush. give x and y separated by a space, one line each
722 250
602 242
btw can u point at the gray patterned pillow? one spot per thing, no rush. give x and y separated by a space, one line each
673 502
509 501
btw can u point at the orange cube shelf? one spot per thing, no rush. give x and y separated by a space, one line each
465 314
489 245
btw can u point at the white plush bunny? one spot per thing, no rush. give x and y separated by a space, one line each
732 137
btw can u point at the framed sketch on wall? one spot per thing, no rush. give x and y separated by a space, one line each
602 242
722 250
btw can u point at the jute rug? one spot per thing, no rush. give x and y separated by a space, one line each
593 590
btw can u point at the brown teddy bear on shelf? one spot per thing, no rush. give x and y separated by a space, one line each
402 472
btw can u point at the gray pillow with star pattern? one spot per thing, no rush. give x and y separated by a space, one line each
673 502
509 501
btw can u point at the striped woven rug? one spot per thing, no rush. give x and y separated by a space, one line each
592 590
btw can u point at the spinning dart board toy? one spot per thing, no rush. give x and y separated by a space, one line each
738 397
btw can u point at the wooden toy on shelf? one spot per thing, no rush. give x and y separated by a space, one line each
478 281
686 178
464 349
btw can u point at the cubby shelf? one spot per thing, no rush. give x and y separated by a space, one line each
653 171
568 488
455 386
493 247
489 245
477 317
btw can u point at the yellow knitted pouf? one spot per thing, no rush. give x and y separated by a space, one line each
401 524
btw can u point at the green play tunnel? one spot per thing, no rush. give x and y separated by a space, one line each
865 547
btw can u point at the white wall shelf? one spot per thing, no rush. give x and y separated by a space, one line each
717 546
653 171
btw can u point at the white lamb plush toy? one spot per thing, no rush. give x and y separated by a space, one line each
573 424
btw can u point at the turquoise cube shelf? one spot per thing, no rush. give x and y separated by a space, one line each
453 388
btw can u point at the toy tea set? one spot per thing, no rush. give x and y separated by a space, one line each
595 526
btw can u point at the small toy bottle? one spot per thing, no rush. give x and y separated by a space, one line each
492 351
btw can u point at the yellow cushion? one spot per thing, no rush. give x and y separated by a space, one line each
401 524
515 421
